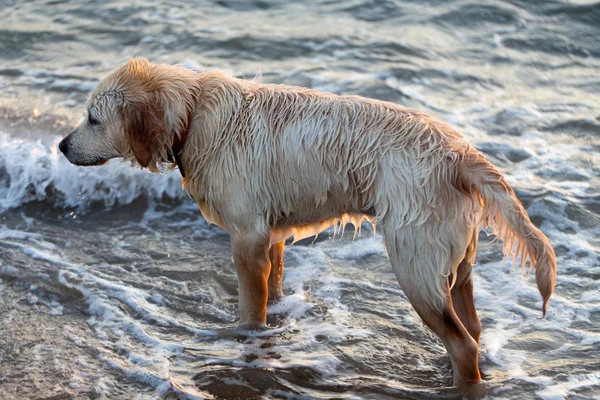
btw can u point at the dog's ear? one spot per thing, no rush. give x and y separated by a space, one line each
144 125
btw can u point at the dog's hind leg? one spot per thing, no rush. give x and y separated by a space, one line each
276 276
251 258
462 292
422 259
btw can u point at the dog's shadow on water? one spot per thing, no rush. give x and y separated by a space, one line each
250 373
259 369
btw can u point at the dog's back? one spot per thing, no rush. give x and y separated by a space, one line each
310 155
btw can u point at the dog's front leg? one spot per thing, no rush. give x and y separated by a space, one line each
251 258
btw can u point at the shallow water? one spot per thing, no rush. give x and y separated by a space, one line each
112 284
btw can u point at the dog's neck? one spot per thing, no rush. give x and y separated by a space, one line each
247 97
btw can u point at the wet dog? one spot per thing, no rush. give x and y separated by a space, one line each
267 162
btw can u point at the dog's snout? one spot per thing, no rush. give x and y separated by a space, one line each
63 146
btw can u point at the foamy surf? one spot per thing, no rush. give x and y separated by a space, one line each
130 324
36 171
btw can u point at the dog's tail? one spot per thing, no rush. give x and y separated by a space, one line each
505 213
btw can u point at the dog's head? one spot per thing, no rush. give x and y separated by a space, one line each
135 113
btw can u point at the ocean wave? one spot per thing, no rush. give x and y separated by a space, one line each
36 171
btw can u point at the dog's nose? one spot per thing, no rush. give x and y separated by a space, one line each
63 146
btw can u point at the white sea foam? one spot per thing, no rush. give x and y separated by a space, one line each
36 171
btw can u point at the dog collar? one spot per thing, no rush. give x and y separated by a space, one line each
179 142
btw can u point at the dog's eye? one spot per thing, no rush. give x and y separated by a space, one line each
92 120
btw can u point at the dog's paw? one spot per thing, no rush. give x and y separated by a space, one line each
251 327
475 390
275 299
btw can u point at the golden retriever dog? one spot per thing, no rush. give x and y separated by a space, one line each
267 162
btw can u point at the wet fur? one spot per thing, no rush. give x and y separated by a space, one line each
267 162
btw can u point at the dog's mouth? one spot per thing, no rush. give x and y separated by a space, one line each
90 163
